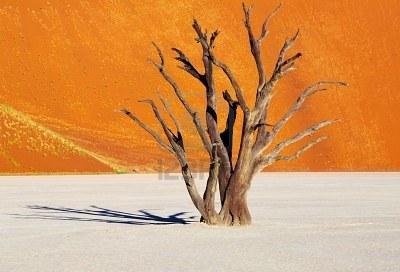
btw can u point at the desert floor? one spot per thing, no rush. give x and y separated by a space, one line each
301 222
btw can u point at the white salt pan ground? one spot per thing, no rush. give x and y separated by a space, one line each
302 222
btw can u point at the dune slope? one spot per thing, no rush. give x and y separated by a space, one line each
76 62
27 146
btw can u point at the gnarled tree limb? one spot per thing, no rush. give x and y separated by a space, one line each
300 151
282 66
178 92
209 59
181 156
264 28
211 110
256 132
227 134
234 83
171 115
263 98
154 134
255 43
262 143
188 66
178 138
265 159
160 119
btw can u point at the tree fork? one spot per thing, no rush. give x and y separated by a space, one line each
233 174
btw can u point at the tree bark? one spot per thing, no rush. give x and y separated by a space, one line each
235 210
233 179
209 194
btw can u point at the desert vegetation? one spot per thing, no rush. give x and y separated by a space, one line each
232 173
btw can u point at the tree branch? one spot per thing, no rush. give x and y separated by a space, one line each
255 43
275 152
178 138
154 134
234 83
255 48
209 54
227 134
188 66
173 139
178 92
264 29
177 145
264 90
300 151
286 46
211 110
171 115
201 36
282 67
267 161
266 138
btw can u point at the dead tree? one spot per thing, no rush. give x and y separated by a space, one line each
256 150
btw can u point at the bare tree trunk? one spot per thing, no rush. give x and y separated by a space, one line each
233 179
211 216
235 210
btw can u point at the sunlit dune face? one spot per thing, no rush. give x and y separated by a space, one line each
70 66
31 148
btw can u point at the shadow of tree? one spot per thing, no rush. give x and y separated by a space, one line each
103 215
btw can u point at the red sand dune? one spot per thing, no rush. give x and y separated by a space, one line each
30 148
69 65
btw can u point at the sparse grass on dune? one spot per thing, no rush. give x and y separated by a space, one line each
20 131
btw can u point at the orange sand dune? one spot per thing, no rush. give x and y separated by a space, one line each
71 64
28 147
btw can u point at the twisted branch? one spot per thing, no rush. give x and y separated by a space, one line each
177 146
275 152
178 92
154 134
188 66
264 28
282 67
171 115
270 160
211 110
302 150
263 143
234 83
255 43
